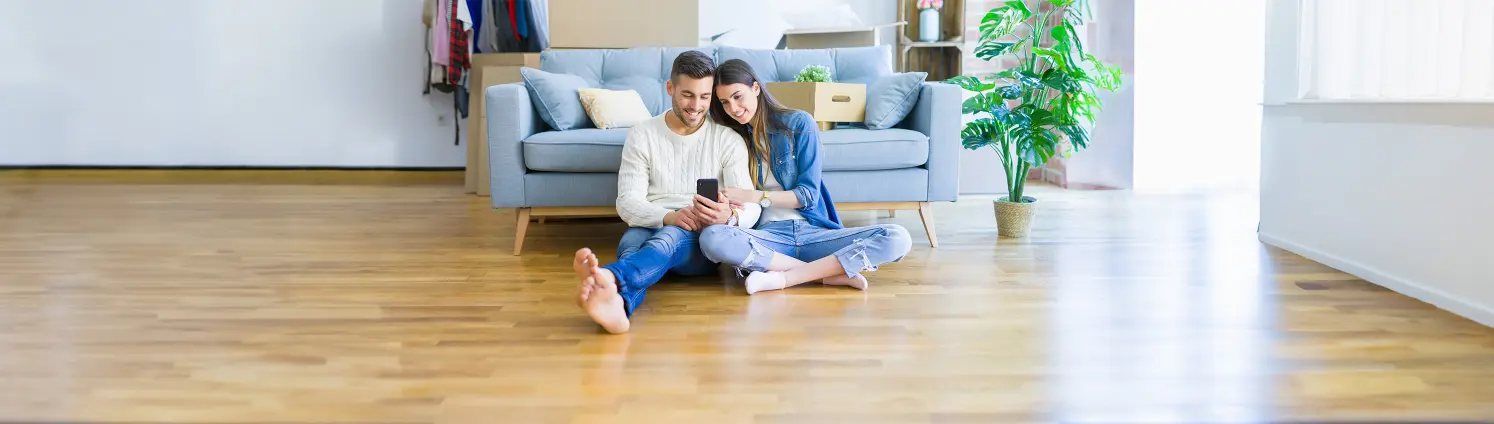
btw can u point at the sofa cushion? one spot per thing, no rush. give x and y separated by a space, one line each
643 70
856 65
555 97
891 97
855 149
583 150
845 149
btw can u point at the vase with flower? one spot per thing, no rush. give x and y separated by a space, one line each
928 20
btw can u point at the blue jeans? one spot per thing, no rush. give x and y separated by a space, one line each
644 255
858 249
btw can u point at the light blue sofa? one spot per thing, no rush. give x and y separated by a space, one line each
543 172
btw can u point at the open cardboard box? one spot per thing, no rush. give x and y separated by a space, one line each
827 102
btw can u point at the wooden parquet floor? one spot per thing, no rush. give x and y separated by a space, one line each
234 297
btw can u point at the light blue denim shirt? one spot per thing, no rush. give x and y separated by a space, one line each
796 164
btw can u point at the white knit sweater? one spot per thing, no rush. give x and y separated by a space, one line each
659 169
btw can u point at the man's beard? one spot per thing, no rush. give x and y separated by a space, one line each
680 114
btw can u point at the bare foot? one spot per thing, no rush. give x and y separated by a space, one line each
584 265
605 305
843 280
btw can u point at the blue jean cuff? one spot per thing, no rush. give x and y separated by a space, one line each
854 259
758 257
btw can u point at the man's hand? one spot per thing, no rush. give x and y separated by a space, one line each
712 212
683 218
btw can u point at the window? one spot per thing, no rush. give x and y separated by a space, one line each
1397 50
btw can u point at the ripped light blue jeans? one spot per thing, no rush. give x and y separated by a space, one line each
859 249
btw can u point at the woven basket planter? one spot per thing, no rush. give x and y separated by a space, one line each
1014 219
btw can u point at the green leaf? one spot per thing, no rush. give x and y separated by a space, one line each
1060 80
1028 80
1054 57
1078 136
980 133
998 23
1042 118
970 83
1074 36
1061 3
1064 39
1019 118
979 103
991 49
1060 34
1010 92
1020 7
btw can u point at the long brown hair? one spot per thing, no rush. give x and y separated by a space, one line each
768 118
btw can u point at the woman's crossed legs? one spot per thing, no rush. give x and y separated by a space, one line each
777 252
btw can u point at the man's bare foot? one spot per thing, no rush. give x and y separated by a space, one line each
584 265
843 280
604 305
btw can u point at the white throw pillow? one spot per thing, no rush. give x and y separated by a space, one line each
613 108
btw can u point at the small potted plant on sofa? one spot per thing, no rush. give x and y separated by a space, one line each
1027 112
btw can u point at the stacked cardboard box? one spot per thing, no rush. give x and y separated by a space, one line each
488 69
614 24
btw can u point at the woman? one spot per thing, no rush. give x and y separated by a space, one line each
799 237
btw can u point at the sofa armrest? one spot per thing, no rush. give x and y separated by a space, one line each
511 119
937 115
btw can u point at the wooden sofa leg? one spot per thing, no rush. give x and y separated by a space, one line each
926 212
523 226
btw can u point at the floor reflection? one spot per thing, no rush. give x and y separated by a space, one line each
1178 331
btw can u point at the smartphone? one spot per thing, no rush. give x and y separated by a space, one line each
708 188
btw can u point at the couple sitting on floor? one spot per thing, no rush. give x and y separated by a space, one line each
773 215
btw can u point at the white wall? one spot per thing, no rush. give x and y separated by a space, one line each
1396 194
219 83
1110 159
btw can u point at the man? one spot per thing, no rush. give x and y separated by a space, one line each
662 159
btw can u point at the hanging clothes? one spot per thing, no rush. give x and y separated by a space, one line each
459 54
487 40
461 62
474 8
538 38
441 45
521 16
513 18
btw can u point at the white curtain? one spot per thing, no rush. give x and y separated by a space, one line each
1397 50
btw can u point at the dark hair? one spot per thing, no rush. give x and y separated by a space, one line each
769 117
693 64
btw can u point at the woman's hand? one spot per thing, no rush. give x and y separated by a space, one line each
741 195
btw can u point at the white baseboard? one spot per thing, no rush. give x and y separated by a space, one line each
1483 314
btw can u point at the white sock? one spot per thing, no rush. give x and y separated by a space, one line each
760 281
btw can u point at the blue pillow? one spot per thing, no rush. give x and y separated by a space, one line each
557 98
890 98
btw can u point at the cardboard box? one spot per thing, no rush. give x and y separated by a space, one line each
825 101
826 38
614 24
488 69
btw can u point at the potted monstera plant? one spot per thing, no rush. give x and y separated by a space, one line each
1047 99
